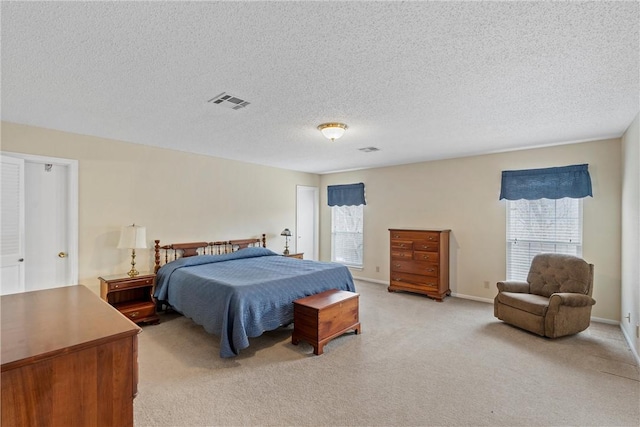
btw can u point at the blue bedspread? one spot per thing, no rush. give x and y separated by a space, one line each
245 293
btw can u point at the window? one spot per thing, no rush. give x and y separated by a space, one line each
346 235
542 225
347 207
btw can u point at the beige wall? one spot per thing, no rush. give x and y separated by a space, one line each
630 301
462 194
179 197
184 197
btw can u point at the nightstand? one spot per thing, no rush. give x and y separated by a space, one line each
131 296
299 256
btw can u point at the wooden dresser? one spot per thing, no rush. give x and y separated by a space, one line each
420 262
68 359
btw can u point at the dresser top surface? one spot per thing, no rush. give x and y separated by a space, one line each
125 276
41 324
420 229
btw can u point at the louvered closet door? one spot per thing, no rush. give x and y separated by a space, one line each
12 279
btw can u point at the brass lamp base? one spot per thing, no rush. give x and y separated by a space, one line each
133 272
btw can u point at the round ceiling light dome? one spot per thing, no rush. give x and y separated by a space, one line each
332 131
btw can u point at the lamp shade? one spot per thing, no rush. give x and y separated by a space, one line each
133 237
332 131
286 232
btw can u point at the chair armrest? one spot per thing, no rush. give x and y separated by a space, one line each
570 299
513 286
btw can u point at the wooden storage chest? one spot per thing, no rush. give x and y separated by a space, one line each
320 318
420 262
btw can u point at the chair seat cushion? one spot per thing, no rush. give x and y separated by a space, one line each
534 304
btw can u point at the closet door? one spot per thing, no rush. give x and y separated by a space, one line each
46 232
12 262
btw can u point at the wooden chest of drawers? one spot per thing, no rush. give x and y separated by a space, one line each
320 318
68 359
420 262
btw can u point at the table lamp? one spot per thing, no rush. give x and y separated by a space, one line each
133 237
286 233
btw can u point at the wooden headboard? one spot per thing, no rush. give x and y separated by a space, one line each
183 250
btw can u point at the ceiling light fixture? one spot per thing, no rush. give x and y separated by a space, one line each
332 131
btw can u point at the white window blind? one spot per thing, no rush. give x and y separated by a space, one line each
543 225
346 234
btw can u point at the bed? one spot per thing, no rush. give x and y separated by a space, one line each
239 289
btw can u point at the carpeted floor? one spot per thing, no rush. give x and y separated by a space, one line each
417 362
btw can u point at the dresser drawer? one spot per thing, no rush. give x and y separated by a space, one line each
415 267
130 283
430 236
138 311
399 254
426 245
402 245
426 256
407 279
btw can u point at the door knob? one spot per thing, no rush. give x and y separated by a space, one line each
62 255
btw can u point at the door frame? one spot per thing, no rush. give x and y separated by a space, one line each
72 203
316 219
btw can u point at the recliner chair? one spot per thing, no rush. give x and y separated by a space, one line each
554 301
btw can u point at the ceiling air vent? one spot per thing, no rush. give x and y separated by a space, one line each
369 149
229 101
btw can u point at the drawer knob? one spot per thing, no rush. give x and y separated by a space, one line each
402 245
431 270
397 279
116 286
425 256
396 265
134 314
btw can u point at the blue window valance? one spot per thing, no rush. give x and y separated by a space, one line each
346 195
548 183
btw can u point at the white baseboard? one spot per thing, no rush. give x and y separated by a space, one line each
472 298
453 294
631 345
602 320
366 279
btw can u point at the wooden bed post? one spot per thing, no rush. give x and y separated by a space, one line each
157 249
264 240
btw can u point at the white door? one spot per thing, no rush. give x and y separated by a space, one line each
50 238
307 222
12 240
46 215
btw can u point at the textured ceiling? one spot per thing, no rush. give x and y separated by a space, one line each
418 80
